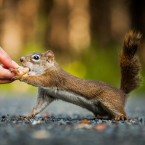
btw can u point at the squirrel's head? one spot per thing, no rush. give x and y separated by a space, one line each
38 62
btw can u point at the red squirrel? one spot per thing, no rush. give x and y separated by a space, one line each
105 101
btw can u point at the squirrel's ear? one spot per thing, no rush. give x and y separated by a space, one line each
50 55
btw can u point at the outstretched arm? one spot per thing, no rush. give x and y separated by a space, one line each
41 80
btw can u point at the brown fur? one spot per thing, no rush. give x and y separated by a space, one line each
108 101
129 62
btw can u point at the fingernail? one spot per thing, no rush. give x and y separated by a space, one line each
15 64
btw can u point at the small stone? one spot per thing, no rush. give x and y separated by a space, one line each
34 122
61 122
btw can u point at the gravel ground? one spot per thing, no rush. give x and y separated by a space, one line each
67 124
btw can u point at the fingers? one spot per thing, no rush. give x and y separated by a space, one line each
5 81
5 73
6 60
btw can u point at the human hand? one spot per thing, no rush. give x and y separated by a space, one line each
5 74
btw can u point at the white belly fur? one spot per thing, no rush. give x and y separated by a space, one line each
69 97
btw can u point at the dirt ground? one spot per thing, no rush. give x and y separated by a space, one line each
67 124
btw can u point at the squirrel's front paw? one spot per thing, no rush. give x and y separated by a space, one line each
16 71
18 74
27 116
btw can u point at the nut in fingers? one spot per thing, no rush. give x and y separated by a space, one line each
20 72
23 70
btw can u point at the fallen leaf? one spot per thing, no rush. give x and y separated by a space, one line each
100 127
45 115
131 121
85 121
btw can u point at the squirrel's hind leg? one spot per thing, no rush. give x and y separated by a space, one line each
103 117
43 101
114 112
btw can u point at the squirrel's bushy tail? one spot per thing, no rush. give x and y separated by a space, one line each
129 62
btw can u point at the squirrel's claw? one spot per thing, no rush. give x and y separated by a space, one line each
123 117
16 71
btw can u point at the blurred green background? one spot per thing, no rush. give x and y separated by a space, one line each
85 35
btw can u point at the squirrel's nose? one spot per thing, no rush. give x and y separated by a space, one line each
22 59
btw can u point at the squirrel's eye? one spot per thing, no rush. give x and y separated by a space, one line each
36 57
